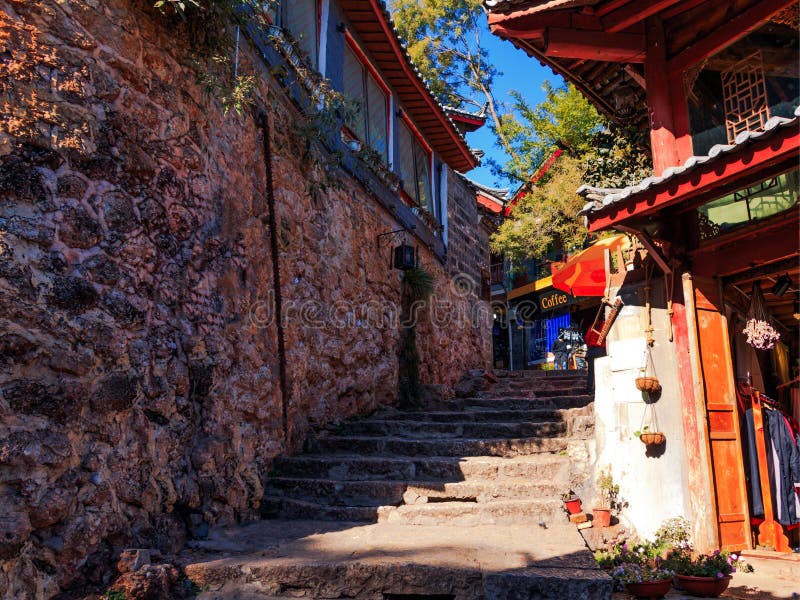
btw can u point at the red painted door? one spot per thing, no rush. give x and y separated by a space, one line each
722 417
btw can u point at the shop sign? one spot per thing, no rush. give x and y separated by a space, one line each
553 300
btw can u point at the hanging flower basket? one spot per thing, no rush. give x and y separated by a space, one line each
653 438
759 331
650 385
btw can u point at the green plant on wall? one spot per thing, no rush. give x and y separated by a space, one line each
417 287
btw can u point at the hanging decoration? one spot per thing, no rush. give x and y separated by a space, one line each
648 381
760 333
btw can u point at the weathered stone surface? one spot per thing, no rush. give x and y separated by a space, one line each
150 582
140 398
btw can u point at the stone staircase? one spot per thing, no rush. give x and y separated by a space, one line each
479 471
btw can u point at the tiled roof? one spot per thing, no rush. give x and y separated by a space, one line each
600 198
501 194
481 114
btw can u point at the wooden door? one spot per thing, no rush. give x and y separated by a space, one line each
722 417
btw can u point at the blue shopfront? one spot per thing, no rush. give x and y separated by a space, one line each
536 320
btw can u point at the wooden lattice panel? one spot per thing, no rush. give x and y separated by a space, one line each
745 94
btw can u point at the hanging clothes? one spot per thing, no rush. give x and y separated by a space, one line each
783 462
751 472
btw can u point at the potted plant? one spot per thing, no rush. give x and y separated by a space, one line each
607 498
571 502
647 381
650 438
644 580
704 575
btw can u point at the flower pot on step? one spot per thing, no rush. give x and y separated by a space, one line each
601 517
573 505
650 589
704 587
650 385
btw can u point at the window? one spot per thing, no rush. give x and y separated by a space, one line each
768 198
741 86
300 18
415 165
361 83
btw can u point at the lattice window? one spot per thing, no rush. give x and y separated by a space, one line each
745 95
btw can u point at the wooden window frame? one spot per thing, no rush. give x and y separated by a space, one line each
429 151
373 72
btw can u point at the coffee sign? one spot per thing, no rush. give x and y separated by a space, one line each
553 300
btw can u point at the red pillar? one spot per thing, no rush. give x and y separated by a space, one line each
659 99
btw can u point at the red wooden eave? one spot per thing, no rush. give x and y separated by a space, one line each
544 168
706 181
490 204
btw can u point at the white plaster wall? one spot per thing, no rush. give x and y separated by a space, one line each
655 487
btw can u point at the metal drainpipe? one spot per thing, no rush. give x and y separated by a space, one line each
263 117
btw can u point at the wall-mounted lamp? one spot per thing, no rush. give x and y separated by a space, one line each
405 257
782 285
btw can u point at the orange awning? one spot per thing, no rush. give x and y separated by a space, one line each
585 273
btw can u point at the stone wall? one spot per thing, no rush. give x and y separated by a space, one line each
140 397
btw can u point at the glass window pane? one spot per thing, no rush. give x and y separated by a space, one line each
354 89
406 162
377 104
423 161
300 18
768 198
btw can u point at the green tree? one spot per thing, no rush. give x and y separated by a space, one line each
445 39
546 216
594 152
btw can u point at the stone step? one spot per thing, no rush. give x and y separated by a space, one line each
291 559
536 415
516 403
354 468
283 507
394 493
530 392
420 429
529 512
368 445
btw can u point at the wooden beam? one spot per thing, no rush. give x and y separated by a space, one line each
630 14
727 33
613 47
653 251
517 34
775 240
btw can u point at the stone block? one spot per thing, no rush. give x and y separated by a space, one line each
580 517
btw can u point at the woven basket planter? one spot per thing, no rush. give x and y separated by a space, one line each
655 438
650 385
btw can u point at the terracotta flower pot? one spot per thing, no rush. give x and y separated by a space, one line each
573 506
601 517
648 384
653 438
650 589
704 587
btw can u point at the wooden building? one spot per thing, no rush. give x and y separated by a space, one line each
716 83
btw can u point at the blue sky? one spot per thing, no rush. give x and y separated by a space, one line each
519 72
